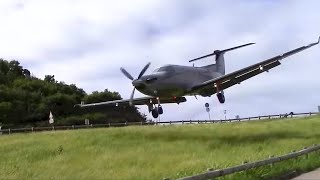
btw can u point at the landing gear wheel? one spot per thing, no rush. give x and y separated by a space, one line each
160 110
221 97
155 113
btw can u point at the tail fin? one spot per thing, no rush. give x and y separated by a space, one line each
220 65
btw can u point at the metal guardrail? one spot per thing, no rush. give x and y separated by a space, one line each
53 128
246 166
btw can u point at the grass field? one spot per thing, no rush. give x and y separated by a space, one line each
156 152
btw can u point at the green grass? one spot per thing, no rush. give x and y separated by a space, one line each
156 152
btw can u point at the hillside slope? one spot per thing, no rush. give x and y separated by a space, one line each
150 152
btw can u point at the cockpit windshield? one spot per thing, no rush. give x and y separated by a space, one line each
167 68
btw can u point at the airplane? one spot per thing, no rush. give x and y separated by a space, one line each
171 83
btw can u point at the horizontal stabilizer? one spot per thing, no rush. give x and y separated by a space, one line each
217 52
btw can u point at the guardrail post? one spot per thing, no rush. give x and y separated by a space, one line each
307 155
31 129
271 156
198 122
293 151
91 125
72 126
310 113
9 131
141 123
259 117
169 122
52 128
249 119
109 124
182 122
269 117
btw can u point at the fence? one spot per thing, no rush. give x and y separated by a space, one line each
50 128
246 166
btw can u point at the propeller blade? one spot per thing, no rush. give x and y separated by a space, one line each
126 73
131 97
144 70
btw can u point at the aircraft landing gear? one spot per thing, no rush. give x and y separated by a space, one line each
160 110
155 112
221 97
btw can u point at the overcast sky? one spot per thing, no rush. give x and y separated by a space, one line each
85 42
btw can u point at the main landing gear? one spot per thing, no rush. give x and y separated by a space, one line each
221 97
220 94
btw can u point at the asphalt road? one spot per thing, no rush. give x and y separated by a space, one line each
313 175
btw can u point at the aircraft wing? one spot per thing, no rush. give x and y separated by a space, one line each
136 101
236 77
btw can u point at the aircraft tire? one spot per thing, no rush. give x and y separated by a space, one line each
160 110
221 97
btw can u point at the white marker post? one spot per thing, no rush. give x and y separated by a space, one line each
208 110
51 120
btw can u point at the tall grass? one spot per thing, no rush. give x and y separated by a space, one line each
156 152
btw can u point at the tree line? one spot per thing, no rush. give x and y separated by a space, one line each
26 100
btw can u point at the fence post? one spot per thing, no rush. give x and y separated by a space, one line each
31 129
91 125
259 117
53 128
141 123
72 126
109 124
9 130
269 117
310 113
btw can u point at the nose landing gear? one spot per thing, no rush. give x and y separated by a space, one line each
155 110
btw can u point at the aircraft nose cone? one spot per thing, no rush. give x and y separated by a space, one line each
138 84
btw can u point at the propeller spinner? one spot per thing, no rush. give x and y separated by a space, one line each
128 75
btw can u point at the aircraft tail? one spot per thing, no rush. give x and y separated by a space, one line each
220 64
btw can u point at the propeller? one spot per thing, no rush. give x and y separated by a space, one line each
128 75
